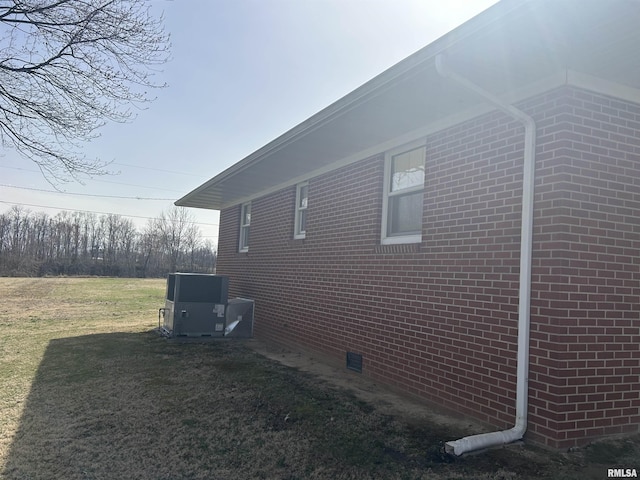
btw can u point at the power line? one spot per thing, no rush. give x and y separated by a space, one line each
155 169
118 163
21 169
103 181
84 194
139 186
94 211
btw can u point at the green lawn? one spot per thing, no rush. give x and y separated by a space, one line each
89 391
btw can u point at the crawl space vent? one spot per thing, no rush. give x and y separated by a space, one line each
354 362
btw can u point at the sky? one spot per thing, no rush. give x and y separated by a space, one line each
242 73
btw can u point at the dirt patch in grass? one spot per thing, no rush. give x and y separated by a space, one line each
89 391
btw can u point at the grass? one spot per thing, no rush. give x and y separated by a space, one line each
89 391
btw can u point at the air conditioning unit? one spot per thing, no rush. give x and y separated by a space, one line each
195 305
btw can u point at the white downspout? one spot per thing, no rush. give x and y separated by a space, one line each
485 440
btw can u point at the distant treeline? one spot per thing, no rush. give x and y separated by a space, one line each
78 243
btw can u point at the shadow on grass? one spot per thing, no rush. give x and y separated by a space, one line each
93 412
123 405
128 406
135 406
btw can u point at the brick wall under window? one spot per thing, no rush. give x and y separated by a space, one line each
439 319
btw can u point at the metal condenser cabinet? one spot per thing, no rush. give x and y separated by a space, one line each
195 305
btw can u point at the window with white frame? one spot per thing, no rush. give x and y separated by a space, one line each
302 195
404 186
245 224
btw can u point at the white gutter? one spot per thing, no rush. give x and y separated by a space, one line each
485 440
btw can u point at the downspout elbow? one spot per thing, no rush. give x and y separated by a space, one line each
486 440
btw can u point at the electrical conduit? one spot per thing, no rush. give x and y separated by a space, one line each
486 440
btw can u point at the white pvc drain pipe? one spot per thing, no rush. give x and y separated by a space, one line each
486 440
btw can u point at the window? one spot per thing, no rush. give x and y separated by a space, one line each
245 223
302 192
404 185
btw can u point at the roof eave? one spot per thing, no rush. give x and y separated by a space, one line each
358 96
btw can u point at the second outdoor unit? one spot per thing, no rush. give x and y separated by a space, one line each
239 318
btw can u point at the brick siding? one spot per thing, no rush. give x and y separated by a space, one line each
586 277
439 319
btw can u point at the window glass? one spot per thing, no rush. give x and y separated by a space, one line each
245 224
405 214
403 195
407 170
302 202
302 194
302 222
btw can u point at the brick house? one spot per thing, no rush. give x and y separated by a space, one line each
395 223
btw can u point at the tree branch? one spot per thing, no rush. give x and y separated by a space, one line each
66 67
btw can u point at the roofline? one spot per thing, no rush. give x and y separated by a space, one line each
367 90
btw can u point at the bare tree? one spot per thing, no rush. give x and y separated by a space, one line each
68 66
75 243
176 228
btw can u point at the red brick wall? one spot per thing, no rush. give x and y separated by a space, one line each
439 319
586 278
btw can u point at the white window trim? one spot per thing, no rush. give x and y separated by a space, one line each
244 248
396 239
297 234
